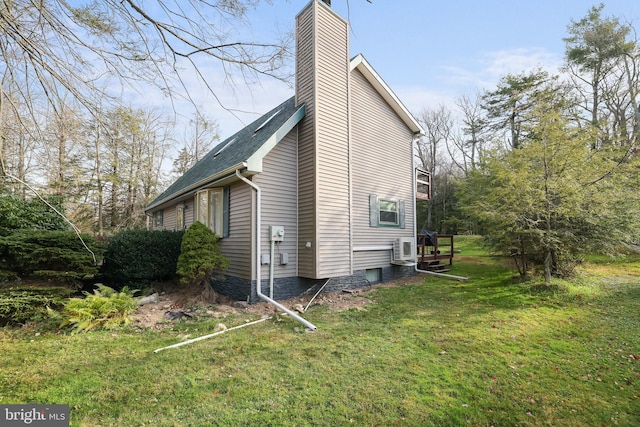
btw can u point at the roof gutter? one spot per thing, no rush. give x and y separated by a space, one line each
222 175
306 323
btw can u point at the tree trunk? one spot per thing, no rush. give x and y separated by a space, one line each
99 184
547 267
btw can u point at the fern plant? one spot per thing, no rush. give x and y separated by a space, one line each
104 308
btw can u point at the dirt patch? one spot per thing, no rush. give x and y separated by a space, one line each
174 304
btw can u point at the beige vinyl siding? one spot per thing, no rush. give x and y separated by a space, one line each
324 218
188 213
370 259
305 92
382 164
169 218
334 246
279 186
238 246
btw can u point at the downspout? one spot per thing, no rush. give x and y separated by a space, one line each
271 267
308 324
415 224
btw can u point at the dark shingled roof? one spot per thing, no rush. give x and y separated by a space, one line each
232 151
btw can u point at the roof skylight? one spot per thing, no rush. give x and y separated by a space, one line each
266 121
224 147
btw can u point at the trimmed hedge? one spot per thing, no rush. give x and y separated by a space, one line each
141 256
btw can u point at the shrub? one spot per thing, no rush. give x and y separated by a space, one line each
141 256
17 213
19 306
49 254
200 255
104 308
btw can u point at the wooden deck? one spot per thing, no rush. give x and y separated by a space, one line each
434 249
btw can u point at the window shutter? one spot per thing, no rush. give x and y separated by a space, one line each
225 212
401 211
374 208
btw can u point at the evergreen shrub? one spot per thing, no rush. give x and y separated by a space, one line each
200 255
19 306
17 213
50 254
139 256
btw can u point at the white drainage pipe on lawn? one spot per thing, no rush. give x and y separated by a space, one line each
317 293
305 322
448 276
180 344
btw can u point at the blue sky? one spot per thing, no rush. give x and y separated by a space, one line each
428 52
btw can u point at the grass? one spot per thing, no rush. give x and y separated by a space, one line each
489 351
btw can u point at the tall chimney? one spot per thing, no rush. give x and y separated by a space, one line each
322 83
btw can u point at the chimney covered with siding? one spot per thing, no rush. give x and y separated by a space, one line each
322 79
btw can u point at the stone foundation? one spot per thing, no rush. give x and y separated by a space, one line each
288 287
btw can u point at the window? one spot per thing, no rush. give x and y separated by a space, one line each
180 222
386 212
212 209
157 219
373 275
423 184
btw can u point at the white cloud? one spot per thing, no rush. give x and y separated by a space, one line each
484 71
499 63
417 98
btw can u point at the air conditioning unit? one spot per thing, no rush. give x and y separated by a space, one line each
403 249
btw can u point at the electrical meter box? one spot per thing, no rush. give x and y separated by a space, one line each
277 233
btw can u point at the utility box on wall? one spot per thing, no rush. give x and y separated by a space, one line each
276 233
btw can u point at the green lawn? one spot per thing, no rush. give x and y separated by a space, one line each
489 351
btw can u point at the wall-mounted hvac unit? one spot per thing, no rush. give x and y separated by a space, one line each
403 249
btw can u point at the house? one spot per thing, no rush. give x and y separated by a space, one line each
318 190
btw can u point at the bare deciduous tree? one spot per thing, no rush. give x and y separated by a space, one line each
88 53
55 44
438 124
198 139
466 145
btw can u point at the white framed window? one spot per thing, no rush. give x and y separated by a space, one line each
209 209
423 184
158 219
180 220
386 212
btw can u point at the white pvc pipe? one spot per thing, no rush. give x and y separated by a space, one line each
317 293
180 344
271 267
308 324
448 276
